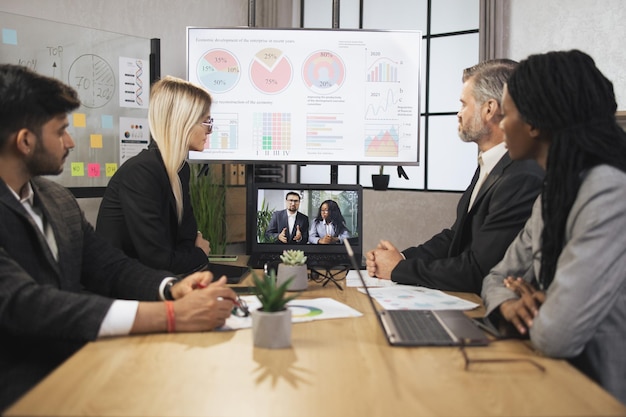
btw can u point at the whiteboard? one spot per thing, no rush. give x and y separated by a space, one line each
111 73
309 95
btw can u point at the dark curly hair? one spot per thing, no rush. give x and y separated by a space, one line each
334 215
566 96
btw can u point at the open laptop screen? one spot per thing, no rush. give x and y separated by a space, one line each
269 199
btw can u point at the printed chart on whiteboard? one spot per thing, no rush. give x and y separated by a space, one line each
303 95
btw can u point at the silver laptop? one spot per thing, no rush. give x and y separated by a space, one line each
424 327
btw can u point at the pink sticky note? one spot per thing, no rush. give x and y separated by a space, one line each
93 170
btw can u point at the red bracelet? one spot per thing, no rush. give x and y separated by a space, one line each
171 317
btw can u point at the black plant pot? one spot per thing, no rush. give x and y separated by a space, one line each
380 182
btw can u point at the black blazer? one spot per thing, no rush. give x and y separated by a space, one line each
48 309
280 220
138 215
457 259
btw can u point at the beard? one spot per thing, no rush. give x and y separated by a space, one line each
474 130
42 163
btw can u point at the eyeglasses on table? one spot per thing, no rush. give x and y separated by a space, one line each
469 361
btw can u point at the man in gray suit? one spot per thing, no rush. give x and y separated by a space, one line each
289 225
61 285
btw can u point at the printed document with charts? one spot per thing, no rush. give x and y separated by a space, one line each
392 296
301 311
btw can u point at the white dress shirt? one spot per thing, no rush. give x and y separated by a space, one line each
291 219
487 161
121 315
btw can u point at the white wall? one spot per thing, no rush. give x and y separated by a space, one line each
163 19
597 27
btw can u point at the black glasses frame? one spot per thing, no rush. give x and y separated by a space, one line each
332 274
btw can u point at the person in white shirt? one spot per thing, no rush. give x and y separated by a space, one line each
61 284
289 225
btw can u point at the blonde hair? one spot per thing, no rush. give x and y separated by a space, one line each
176 106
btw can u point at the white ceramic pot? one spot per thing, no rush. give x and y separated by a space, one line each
271 330
299 274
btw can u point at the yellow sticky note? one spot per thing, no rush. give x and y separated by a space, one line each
80 120
110 169
78 169
96 141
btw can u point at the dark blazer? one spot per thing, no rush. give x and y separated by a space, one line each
457 259
138 215
280 220
48 309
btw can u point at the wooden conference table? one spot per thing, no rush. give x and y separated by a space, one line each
340 367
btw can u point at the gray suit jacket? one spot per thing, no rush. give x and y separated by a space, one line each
457 259
280 220
48 309
584 315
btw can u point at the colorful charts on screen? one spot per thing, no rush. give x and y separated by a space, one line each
324 72
270 71
381 140
218 70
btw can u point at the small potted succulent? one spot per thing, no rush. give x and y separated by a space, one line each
293 266
271 323
380 181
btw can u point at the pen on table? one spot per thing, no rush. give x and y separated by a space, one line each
235 301
238 302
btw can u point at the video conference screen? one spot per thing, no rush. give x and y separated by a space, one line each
314 202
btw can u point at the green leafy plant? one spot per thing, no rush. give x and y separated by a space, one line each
293 257
273 297
208 197
263 220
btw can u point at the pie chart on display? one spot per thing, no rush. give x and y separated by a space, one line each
270 71
218 71
324 72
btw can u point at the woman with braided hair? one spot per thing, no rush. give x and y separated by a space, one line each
562 282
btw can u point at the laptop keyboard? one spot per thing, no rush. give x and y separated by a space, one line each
327 259
418 325
257 261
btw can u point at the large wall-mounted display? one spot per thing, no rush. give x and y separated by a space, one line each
111 73
309 96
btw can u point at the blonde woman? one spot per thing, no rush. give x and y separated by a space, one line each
146 209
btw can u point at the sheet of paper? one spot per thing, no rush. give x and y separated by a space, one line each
301 311
352 280
409 297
